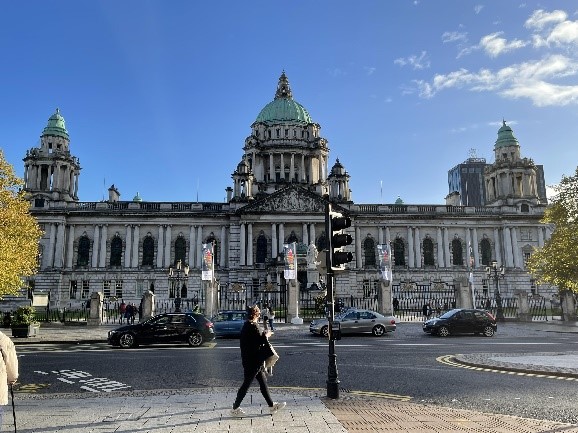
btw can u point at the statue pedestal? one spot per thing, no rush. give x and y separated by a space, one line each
297 321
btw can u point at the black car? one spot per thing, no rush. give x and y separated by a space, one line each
192 328
462 321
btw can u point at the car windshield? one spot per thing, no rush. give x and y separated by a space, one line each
448 314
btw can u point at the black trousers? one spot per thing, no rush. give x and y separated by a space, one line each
249 376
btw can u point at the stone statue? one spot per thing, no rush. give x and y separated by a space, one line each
312 256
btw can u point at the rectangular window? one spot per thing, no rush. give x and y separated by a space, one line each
526 258
85 289
73 289
139 288
106 288
118 289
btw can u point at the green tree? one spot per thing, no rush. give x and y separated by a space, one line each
19 232
556 263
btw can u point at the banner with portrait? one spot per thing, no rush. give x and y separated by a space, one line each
384 255
208 262
290 254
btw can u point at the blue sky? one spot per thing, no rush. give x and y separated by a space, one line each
159 96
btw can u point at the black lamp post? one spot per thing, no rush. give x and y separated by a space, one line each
496 273
178 275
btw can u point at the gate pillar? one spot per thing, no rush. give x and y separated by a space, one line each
523 306
148 305
384 305
95 314
293 303
464 296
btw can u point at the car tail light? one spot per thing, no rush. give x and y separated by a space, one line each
392 321
209 324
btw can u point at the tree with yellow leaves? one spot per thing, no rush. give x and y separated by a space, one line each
556 263
19 232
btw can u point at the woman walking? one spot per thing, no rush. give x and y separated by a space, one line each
251 341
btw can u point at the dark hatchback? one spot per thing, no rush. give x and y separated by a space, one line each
462 321
229 323
191 328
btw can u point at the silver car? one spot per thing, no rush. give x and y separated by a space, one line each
355 321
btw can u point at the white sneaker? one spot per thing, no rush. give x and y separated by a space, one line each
277 407
238 412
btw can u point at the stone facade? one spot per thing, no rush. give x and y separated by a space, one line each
280 188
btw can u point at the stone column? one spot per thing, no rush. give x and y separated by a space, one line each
417 241
303 175
518 263
211 298
250 244
192 243
273 240
358 250
70 248
198 254
305 235
411 256
508 248
168 241
312 233
59 252
135 244
523 306
128 248
95 248
242 249
440 247
293 302
475 244
540 237
160 249
103 239
51 245
148 305
384 299
446 248
223 259
464 297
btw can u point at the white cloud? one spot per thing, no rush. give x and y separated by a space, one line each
478 9
369 70
564 33
494 45
454 37
416 62
541 19
534 80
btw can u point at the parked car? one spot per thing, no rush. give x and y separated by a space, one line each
192 328
229 323
462 321
354 321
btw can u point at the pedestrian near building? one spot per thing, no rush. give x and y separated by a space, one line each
8 371
265 315
271 318
251 341
122 311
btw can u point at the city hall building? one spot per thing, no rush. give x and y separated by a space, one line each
277 196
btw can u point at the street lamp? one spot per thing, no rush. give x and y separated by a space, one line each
496 273
178 275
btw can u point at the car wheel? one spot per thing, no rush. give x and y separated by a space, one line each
443 331
325 331
488 331
126 341
378 330
195 339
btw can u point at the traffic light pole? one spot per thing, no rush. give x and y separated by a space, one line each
332 376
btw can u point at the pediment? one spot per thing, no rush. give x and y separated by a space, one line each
292 199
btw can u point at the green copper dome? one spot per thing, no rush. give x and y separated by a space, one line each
56 126
137 197
506 137
283 107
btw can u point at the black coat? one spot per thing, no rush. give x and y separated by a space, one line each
251 341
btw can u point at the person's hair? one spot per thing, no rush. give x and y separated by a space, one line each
253 312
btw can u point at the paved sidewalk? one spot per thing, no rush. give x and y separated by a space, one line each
307 411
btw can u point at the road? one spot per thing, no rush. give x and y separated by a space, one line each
405 365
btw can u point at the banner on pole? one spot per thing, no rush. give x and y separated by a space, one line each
289 251
207 269
384 255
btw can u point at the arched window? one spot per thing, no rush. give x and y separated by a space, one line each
148 251
181 250
83 251
369 252
292 238
457 254
428 252
486 252
261 256
399 252
116 251
321 242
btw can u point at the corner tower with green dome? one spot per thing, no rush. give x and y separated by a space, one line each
50 171
284 148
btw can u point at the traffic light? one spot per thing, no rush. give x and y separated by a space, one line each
338 240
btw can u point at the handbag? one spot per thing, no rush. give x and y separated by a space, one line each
268 355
